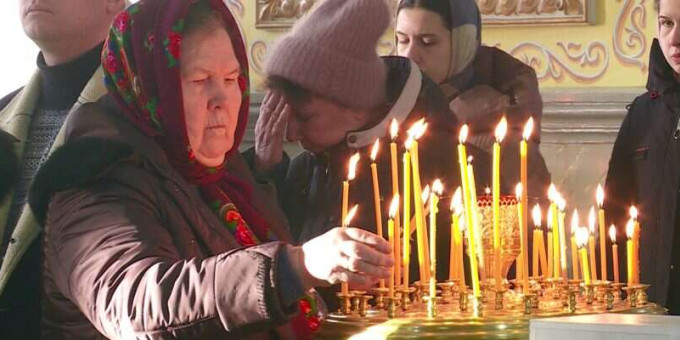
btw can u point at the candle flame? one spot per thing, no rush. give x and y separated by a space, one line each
409 143
550 219
574 222
552 191
633 212
457 202
438 187
374 151
487 191
528 128
581 237
518 191
501 130
599 196
394 207
591 220
463 134
612 233
350 216
394 129
630 228
536 214
426 193
353 161
418 129
561 202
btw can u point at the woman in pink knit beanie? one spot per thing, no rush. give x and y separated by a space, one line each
331 92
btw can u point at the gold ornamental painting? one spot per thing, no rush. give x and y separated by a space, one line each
282 14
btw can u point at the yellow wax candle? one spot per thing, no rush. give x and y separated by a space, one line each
467 204
455 257
406 260
574 249
501 130
394 129
630 226
416 132
543 261
562 204
582 240
474 234
376 196
524 253
591 243
636 245
475 220
344 286
394 207
615 253
599 195
437 189
551 253
524 150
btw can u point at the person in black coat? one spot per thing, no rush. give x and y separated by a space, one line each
8 164
644 169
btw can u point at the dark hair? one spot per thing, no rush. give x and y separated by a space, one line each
9 166
202 16
441 7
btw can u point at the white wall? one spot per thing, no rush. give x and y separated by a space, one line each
18 53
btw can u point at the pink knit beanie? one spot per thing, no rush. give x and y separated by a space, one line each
332 52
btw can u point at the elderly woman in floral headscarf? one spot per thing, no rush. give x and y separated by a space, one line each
154 226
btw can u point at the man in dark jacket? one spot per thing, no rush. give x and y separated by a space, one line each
644 169
69 34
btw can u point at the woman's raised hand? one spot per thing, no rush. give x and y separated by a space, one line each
348 255
270 131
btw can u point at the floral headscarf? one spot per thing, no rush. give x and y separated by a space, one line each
141 60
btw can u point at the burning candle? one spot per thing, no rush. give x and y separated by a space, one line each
394 130
437 189
615 253
636 244
599 196
553 195
351 174
591 243
574 249
501 130
406 260
344 286
524 212
562 240
524 255
540 260
551 243
581 241
394 207
455 256
474 234
376 195
417 131
630 230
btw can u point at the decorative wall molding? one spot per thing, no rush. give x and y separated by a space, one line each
280 13
629 38
235 5
582 64
514 12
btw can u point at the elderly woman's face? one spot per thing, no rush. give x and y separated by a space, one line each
210 90
423 37
669 32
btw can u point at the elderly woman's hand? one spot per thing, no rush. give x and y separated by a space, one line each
270 130
348 255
